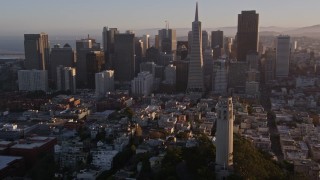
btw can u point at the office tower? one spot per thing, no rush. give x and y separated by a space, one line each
217 43
205 40
228 41
224 134
64 56
170 74
217 39
156 42
282 56
124 64
149 67
237 76
152 55
253 60
247 35
36 49
138 53
142 85
182 49
159 72
66 78
165 59
33 80
195 75
269 66
104 82
95 63
220 77
167 40
252 88
181 75
208 68
83 48
146 44
108 44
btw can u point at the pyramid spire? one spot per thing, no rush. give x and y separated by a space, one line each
196 16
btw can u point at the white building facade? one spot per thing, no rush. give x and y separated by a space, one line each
33 80
104 82
142 84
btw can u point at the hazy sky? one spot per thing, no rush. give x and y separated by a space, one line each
32 16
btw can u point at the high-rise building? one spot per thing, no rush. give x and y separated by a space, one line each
165 59
167 40
108 44
148 66
152 55
181 75
170 74
224 134
36 49
182 49
95 63
64 56
247 35
124 64
220 77
83 48
33 80
195 75
142 85
253 60
66 78
208 68
146 44
269 65
104 82
237 76
282 56
216 39
205 40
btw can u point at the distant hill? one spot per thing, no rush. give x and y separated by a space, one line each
15 43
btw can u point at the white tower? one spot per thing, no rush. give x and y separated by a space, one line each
195 75
224 134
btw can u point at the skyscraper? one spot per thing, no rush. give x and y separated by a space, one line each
104 82
224 134
205 40
167 40
108 44
282 56
36 47
146 44
95 63
217 43
124 51
219 77
66 78
64 56
247 35
142 84
195 75
83 48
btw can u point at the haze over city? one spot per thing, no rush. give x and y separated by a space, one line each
159 90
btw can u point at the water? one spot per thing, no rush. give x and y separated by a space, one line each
11 56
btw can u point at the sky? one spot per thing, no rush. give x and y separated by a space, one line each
68 16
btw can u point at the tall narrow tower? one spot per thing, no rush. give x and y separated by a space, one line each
195 75
224 134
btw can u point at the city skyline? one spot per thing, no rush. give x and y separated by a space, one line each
67 16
